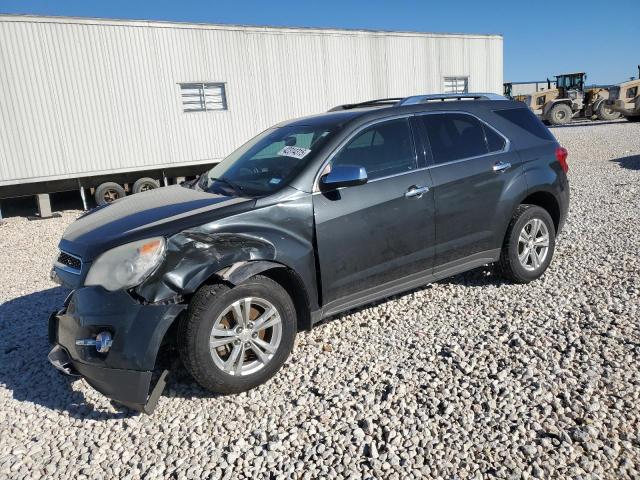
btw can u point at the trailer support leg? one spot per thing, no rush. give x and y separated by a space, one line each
84 198
164 179
44 205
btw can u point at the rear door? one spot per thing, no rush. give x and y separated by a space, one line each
472 169
380 232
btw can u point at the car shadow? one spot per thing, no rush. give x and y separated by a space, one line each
24 368
632 162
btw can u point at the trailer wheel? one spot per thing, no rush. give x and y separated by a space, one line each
605 112
108 192
144 184
634 118
560 114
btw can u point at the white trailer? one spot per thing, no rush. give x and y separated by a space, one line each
89 101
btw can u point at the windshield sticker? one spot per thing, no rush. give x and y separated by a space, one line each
275 181
295 152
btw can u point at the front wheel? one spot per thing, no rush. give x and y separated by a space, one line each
560 114
529 244
234 339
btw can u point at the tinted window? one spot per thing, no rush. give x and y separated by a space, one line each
454 136
383 149
495 142
526 119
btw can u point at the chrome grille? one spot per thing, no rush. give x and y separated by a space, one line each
69 262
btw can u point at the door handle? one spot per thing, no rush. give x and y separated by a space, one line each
501 166
416 191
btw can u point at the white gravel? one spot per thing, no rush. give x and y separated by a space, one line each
467 378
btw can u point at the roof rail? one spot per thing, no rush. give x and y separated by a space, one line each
450 96
415 99
369 103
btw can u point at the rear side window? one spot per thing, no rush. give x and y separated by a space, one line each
526 119
495 142
454 136
383 149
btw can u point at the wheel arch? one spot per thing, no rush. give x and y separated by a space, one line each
285 276
545 200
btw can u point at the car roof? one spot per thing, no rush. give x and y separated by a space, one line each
358 114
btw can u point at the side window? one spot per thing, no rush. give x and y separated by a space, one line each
525 119
495 142
454 136
383 149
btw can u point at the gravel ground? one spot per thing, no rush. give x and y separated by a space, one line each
466 378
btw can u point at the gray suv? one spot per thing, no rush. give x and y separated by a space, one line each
311 218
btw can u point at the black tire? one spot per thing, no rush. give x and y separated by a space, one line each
204 309
509 264
108 192
634 118
605 112
144 184
560 114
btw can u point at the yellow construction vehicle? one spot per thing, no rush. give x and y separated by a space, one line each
625 98
570 99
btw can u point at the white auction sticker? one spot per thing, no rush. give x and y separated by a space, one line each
295 152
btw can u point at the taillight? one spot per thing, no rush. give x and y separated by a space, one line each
561 155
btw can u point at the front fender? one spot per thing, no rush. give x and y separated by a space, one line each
276 235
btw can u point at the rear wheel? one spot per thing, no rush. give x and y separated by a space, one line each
108 192
234 339
634 118
605 112
560 114
529 244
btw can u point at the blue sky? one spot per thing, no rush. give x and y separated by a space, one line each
541 38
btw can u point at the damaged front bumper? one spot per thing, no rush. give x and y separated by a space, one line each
125 372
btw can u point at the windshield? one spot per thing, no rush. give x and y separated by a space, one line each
266 163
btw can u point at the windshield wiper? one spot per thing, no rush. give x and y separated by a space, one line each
236 188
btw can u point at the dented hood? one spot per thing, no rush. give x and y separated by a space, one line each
158 212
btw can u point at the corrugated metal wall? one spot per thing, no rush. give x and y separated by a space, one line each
530 87
81 97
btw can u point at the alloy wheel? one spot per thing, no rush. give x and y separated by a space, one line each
533 244
245 336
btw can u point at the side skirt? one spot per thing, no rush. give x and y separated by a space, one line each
404 284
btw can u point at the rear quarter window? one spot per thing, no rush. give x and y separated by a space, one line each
526 119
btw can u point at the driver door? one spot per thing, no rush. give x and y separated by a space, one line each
375 236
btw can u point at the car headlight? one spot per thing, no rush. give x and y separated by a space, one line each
127 265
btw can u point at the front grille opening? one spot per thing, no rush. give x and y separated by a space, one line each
69 261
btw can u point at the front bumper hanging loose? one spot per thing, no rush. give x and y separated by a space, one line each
125 372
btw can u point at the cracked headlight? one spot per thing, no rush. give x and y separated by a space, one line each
127 265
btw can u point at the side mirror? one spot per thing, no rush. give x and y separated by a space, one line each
344 176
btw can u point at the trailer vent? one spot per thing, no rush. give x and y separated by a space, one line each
69 262
203 97
456 85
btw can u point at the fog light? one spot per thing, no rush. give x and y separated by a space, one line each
102 342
